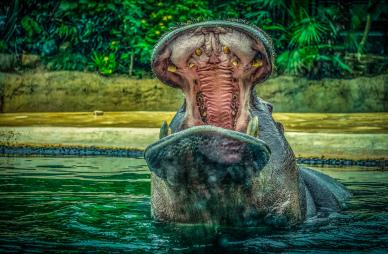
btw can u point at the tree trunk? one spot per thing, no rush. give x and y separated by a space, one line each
372 6
361 46
12 21
131 64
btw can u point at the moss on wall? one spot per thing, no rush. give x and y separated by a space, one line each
66 91
80 91
293 94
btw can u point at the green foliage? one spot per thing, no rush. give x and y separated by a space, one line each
308 32
67 61
30 26
3 45
310 49
106 64
118 36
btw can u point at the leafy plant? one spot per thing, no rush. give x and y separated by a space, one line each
105 64
30 26
78 35
311 40
307 32
66 61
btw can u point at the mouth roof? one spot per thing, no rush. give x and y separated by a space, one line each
251 30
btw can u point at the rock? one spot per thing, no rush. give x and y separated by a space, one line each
98 113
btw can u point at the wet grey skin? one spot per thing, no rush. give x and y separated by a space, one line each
226 160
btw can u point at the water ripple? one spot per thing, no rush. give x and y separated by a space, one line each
102 204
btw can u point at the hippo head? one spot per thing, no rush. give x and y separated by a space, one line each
216 65
219 143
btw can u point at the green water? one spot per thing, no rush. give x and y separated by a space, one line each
102 204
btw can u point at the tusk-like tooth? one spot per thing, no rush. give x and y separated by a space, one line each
253 127
171 68
163 130
249 127
257 132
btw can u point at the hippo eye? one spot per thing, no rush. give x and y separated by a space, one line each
257 60
171 68
191 65
234 62
270 107
226 50
198 52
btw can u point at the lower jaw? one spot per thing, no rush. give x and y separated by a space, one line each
207 155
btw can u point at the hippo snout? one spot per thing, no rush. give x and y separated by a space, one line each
207 155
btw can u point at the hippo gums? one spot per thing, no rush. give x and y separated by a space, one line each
226 160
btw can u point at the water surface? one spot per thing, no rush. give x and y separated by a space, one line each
102 204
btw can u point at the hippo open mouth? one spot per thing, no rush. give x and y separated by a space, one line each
216 66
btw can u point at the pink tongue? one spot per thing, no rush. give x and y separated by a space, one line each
223 150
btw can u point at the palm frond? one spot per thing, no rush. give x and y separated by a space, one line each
298 60
273 4
308 32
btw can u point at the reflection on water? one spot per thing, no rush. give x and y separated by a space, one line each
89 204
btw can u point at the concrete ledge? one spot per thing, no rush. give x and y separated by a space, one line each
84 151
305 145
368 123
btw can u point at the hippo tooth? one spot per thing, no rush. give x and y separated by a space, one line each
253 127
163 130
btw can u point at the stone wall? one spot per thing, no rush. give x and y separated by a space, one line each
62 91
293 94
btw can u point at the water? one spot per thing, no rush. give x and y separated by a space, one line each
102 204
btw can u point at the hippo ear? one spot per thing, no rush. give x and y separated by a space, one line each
165 70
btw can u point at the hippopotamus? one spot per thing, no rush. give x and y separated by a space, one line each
223 159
